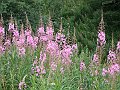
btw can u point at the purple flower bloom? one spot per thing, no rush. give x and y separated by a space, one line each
22 51
1 31
15 36
40 31
7 43
49 32
82 66
11 27
53 66
104 72
101 38
32 41
74 47
27 32
60 38
111 56
66 54
52 48
63 38
21 41
42 56
40 69
43 71
22 85
44 38
115 68
29 40
15 33
36 40
96 58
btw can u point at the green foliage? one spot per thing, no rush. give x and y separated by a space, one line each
83 14
13 68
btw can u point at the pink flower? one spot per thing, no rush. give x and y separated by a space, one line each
63 38
22 51
11 27
1 31
21 41
40 70
36 40
15 36
111 56
37 74
44 38
27 32
66 54
58 37
96 58
82 66
42 56
33 45
74 46
67 51
38 67
115 68
101 38
101 35
16 33
104 72
22 85
49 32
52 47
30 40
7 43
43 71
53 66
40 31
111 71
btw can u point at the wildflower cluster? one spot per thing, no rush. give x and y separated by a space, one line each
55 48
113 67
51 52
112 70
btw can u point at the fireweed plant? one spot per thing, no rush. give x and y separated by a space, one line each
46 60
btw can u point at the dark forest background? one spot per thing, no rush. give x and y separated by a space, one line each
85 15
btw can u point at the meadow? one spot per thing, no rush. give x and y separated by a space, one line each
46 60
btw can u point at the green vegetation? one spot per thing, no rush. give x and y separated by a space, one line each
83 14
73 52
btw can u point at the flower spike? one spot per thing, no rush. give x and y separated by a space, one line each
61 28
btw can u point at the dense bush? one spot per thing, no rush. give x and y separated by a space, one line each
83 14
